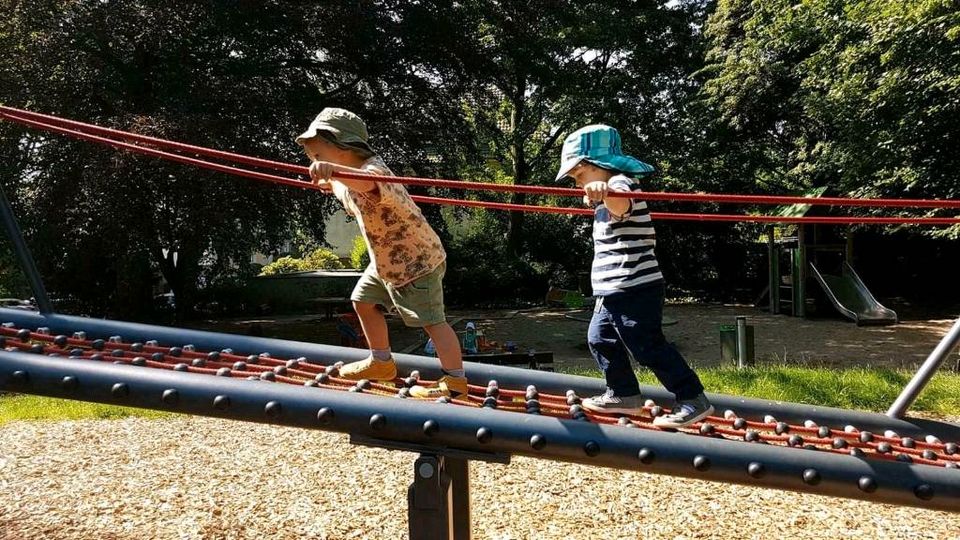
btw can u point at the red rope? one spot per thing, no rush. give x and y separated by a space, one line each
676 216
19 115
165 155
229 169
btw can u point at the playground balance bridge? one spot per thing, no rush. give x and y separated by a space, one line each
887 458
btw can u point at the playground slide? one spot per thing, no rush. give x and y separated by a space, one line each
852 298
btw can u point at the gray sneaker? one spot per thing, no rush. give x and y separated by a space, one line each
609 403
685 413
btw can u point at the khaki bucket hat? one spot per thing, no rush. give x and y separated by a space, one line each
345 127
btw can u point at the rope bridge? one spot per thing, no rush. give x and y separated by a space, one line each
314 374
758 443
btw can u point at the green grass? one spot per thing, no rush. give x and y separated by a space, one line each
24 407
867 389
860 388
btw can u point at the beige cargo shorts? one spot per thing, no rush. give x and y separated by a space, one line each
419 303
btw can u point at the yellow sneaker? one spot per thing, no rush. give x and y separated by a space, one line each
374 370
448 386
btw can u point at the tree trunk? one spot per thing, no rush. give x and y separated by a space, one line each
182 278
132 298
521 169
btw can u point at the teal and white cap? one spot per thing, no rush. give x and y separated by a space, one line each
600 145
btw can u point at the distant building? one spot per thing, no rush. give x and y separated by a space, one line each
340 230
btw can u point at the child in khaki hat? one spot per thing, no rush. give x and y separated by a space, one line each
407 261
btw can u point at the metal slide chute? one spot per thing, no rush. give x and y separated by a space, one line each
852 298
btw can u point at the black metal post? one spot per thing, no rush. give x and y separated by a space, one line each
429 501
458 470
24 257
742 360
773 258
454 465
925 373
800 287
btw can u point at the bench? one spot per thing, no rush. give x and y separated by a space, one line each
542 361
330 305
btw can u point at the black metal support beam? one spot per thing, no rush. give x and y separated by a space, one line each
429 501
926 372
459 472
423 494
438 508
20 249
489 431
753 409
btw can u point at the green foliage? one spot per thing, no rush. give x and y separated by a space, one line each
525 90
323 259
481 270
318 259
15 407
859 96
13 284
870 389
284 265
359 255
103 224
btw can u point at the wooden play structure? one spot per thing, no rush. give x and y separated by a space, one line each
821 255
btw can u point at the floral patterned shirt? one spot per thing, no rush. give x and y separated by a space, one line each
402 245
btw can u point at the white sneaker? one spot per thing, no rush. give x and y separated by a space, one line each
610 403
685 413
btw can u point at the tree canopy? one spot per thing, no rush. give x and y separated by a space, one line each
858 96
766 96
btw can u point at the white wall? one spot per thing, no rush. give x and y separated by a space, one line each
341 229
340 232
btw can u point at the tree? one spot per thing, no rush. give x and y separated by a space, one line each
245 79
861 96
543 68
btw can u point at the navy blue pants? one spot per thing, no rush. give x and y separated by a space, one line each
628 324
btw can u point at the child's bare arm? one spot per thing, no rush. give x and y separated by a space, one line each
599 190
323 171
618 206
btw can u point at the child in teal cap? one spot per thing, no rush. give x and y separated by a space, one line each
627 282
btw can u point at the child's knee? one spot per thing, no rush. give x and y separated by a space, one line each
436 326
597 342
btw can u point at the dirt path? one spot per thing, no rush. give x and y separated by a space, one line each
193 478
778 339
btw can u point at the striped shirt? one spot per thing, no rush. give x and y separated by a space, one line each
623 256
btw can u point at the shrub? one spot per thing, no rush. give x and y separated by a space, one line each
482 272
318 259
322 259
284 265
359 256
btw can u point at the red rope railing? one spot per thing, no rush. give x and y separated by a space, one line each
101 135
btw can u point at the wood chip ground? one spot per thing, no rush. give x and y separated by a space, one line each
192 478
